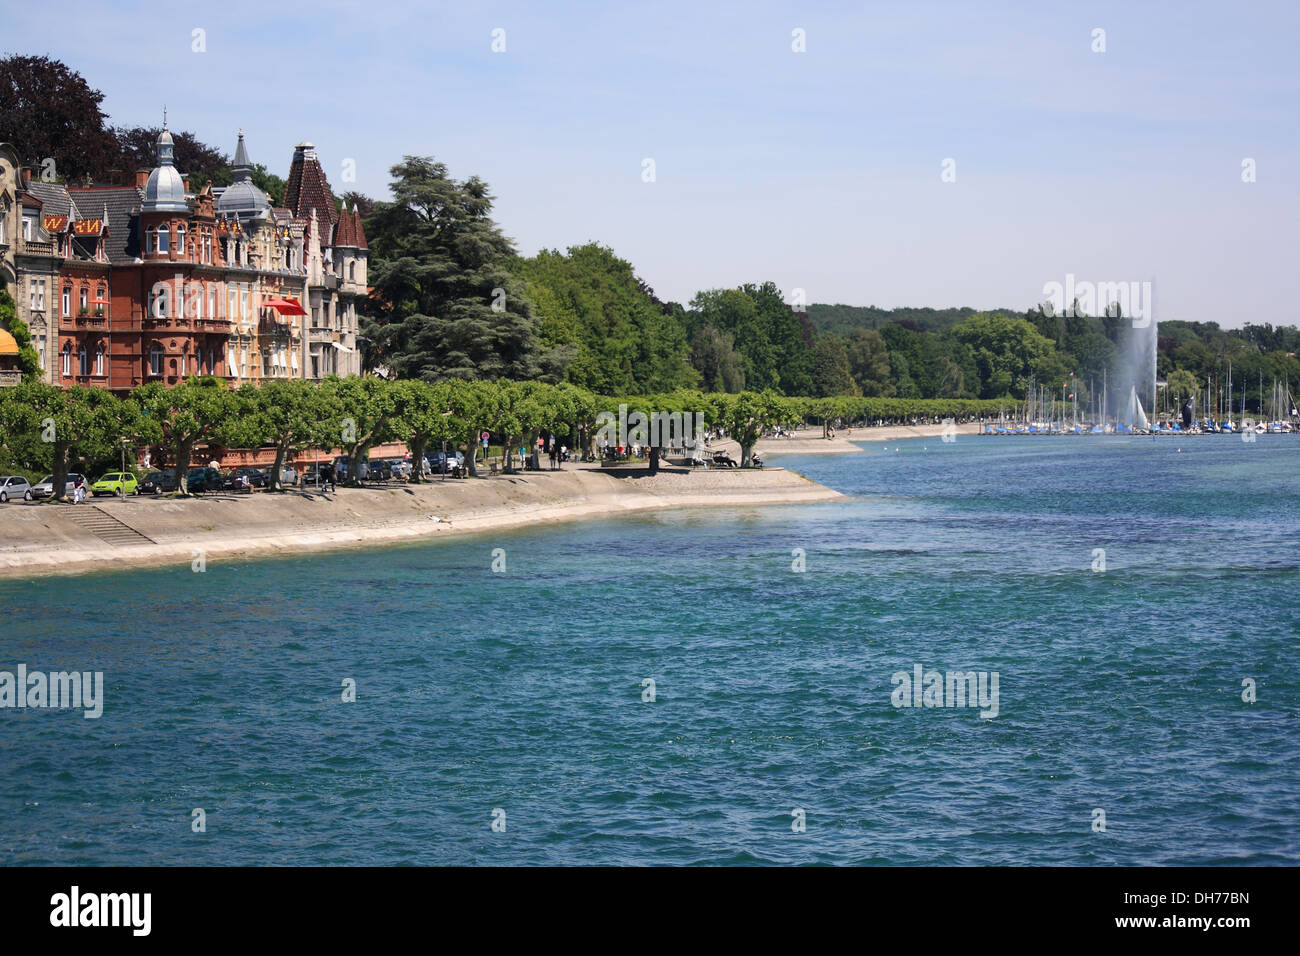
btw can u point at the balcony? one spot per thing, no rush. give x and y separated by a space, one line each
84 321
30 247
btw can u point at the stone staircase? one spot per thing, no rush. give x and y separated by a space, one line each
104 526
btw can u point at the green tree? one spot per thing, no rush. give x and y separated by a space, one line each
196 412
365 412
441 266
747 415
75 422
423 419
291 415
621 337
1009 352
868 357
831 373
713 354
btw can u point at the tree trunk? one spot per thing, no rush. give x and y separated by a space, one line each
746 454
417 444
654 460
183 449
471 455
280 451
59 488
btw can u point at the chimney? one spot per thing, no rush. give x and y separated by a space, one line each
142 177
186 180
27 175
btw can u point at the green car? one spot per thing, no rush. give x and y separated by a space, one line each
116 483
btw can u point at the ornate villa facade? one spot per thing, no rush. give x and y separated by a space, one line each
123 285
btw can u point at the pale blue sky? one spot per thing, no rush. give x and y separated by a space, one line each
816 170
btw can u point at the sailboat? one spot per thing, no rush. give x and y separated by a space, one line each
1137 418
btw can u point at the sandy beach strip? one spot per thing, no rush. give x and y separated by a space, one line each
39 539
809 441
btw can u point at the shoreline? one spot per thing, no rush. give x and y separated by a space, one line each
809 441
38 540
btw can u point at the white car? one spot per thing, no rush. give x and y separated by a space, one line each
15 486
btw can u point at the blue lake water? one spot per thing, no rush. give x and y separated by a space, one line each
1119 690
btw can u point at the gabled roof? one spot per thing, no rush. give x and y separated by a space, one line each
122 205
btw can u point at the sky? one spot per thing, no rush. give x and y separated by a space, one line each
822 170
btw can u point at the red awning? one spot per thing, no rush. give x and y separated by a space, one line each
285 306
100 302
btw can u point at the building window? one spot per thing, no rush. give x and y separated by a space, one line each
4 232
67 301
27 228
40 351
36 294
156 359
180 239
85 302
99 359
212 362
66 365
352 271
83 360
164 239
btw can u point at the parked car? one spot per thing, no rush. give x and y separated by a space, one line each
379 470
400 467
254 477
288 477
200 480
158 482
115 483
15 486
451 463
45 487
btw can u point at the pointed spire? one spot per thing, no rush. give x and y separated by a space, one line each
242 168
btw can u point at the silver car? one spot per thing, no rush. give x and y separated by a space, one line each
15 486
45 487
